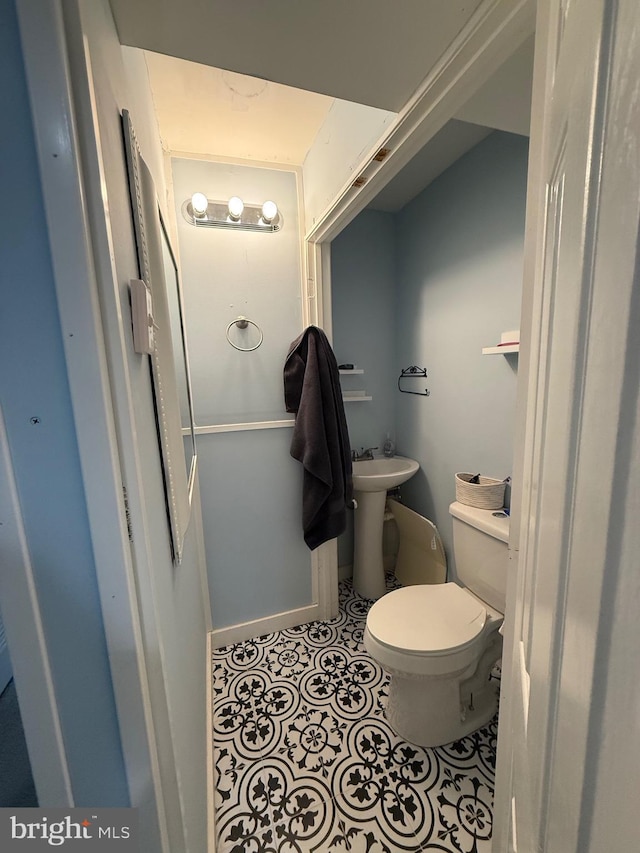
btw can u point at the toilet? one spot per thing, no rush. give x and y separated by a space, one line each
439 642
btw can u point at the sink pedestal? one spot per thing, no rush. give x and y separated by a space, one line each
371 480
368 567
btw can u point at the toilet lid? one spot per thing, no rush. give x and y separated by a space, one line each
427 619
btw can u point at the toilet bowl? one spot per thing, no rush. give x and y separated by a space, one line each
439 642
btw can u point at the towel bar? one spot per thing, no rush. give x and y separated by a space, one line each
242 323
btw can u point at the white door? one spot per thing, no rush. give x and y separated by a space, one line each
569 725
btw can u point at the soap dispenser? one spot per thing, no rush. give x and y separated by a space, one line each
388 448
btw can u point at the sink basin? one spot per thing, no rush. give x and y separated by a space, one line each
378 475
371 479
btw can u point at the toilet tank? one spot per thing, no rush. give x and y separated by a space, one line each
480 547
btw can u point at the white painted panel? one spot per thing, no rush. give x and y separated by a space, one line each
504 101
346 137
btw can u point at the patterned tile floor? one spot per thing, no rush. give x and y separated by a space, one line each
305 760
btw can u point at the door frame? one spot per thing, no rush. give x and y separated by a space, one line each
565 689
492 34
66 208
26 639
495 30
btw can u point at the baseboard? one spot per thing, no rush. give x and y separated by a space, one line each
211 817
266 625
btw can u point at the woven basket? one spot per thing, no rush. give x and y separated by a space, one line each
487 494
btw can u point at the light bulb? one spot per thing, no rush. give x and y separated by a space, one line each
199 204
269 211
236 206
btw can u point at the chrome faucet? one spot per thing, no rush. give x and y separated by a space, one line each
364 454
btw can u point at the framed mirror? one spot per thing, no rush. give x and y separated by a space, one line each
180 353
169 360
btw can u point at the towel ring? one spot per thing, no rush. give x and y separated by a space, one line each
242 323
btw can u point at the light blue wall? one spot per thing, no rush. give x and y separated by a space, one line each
251 488
231 273
363 271
460 251
33 382
251 502
444 285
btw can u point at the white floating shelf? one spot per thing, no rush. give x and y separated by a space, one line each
501 350
351 372
509 342
355 398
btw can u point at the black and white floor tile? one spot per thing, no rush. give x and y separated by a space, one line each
305 760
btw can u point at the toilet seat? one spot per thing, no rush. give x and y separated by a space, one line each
430 619
426 628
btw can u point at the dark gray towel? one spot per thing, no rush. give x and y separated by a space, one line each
320 436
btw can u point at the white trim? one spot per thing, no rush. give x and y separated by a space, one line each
266 625
237 161
513 720
313 282
28 647
210 747
45 55
202 559
325 567
206 430
324 287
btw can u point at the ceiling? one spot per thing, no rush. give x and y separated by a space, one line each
373 52
209 110
205 110
447 146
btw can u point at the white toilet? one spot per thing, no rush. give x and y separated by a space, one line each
439 642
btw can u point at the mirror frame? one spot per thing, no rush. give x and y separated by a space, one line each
150 231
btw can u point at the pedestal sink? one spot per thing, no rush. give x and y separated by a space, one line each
371 479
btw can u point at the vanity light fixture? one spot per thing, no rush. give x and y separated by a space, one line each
234 213
269 211
235 206
199 204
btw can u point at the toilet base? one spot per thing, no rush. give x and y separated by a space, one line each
429 711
